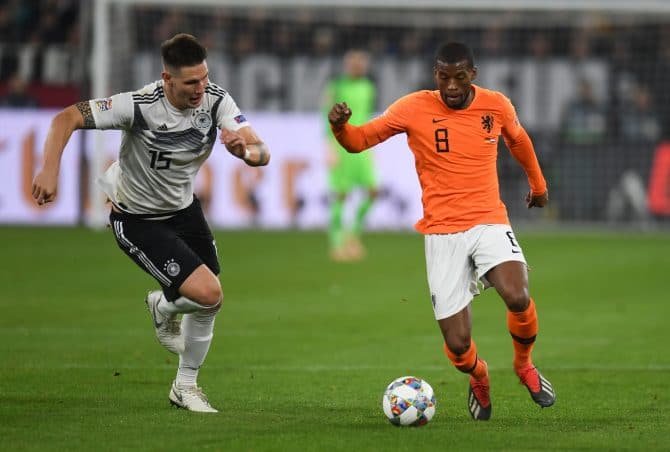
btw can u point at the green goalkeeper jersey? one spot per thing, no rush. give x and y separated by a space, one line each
352 169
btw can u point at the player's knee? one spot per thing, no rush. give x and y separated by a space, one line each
213 295
209 295
458 345
517 300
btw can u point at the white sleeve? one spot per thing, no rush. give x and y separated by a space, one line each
229 115
114 112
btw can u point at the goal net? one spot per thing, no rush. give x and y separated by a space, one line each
587 79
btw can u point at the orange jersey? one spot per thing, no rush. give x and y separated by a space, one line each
455 153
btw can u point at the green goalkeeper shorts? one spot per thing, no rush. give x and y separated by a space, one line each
352 171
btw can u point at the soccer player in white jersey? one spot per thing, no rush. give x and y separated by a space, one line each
169 129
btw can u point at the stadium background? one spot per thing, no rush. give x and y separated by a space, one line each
587 79
304 346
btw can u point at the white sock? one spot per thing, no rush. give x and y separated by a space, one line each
197 329
179 306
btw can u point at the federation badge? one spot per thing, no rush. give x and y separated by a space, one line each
202 120
172 268
487 122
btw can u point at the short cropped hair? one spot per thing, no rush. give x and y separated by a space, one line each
182 50
454 52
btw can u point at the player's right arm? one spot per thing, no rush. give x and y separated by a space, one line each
116 112
78 116
359 138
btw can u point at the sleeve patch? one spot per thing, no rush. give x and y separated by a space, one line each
240 119
103 104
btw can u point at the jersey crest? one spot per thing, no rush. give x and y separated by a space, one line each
202 120
487 122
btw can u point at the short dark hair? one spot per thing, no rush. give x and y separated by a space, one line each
454 52
182 50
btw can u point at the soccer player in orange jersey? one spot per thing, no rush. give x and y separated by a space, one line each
453 133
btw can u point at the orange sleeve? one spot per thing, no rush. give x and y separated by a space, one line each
519 143
354 138
522 149
359 138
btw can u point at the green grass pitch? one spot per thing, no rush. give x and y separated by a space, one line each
304 348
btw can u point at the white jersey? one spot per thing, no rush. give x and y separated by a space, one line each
162 147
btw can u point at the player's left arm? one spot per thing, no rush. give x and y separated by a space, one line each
246 145
521 147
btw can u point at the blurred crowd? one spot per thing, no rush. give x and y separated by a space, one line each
36 23
39 42
628 122
39 21
317 32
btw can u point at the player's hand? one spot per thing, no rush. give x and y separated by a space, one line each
234 142
45 187
339 114
537 200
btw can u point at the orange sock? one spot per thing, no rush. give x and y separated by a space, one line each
523 328
468 362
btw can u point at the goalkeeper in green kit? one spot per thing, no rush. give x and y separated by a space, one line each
347 172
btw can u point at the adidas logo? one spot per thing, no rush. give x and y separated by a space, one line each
162 127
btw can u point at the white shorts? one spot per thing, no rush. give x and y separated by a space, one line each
456 264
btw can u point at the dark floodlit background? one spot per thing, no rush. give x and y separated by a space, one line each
589 85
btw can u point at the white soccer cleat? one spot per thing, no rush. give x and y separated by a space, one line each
168 328
190 398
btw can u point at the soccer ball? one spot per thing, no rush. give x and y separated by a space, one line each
409 401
